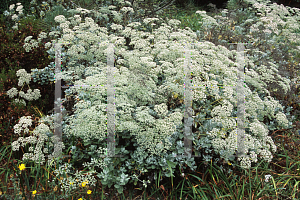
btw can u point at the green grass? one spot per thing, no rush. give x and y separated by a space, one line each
207 182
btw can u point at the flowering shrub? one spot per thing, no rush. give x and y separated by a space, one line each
275 32
103 17
31 95
148 80
14 57
11 43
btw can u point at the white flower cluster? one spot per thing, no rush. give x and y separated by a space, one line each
64 25
94 123
116 27
11 6
83 11
144 116
23 77
127 9
19 8
95 162
19 101
207 20
15 17
161 109
60 19
48 45
282 120
38 138
24 122
12 92
277 17
245 161
32 44
258 129
27 39
41 36
22 142
30 95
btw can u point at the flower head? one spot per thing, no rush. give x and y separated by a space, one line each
14 17
6 13
84 183
11 6
267 177
19 8
23 77
89 192
12 92
22 167
34 192
60 18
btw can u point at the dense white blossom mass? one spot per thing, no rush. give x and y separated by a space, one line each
142 100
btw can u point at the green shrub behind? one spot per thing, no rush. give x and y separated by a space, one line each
14 57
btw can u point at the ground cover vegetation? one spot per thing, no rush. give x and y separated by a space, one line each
273 172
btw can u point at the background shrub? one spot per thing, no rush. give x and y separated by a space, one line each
14 57
236 30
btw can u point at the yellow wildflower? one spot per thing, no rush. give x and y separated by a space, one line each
83 184
21 167
89 192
